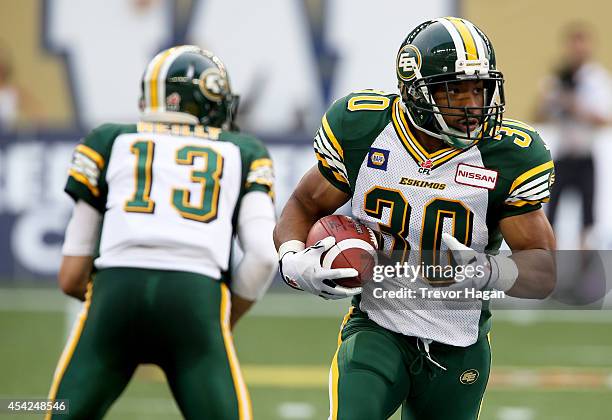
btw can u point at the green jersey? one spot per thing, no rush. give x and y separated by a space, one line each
367 148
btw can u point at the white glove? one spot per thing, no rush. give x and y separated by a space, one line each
303 271
490 272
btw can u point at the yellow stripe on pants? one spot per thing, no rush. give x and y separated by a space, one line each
490 352
73 340
333 373
245 410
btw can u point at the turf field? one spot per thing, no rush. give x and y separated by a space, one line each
547 365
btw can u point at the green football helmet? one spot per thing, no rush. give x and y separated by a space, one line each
186 84
439 52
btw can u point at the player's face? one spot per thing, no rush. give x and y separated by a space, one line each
464 94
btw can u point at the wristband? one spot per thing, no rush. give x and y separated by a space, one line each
290 246
505 272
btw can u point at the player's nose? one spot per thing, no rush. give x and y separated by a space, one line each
472 100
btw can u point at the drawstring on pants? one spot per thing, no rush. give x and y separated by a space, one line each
416 366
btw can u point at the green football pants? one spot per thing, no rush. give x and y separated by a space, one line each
176 320
375 370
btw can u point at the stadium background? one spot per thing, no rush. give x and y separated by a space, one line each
77 64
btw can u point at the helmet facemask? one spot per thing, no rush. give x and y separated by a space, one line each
427 115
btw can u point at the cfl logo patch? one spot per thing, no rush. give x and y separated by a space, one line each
425 167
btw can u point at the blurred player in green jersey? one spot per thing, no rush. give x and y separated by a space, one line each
148 247
437 170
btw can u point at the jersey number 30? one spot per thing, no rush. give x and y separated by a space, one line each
208 177
435 212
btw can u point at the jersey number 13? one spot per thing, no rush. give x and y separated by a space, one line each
207 176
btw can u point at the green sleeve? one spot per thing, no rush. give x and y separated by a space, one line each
532 174
328 146
260 172
348 129
257 167
86 176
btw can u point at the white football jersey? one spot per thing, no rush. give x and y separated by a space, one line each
169 194
366 148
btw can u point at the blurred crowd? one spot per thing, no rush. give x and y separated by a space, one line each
577 99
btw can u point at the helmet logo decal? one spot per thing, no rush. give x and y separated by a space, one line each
173 102
213 84
408 62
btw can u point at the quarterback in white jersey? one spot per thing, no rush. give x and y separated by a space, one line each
441 175
149 245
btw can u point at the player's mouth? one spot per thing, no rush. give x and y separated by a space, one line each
468 124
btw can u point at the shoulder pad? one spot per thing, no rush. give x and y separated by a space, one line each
358 114
519 142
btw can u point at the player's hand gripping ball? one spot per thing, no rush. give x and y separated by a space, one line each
355 247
